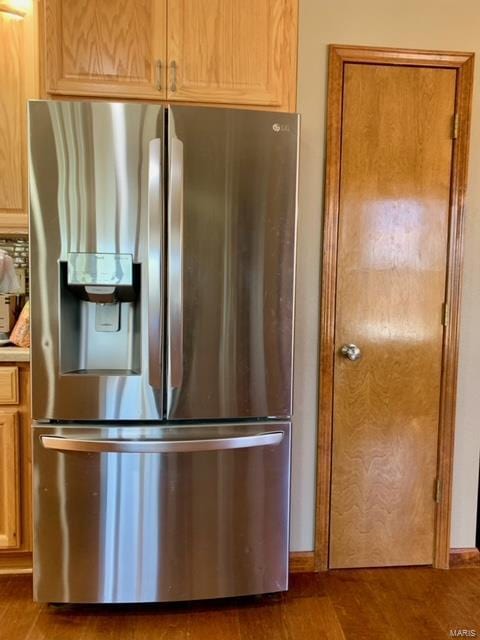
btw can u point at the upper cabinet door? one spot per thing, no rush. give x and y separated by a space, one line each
18 82
114 48
231 52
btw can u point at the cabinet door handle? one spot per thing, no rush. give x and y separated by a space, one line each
173 84
158 75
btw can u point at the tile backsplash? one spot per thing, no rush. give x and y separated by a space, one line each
17 248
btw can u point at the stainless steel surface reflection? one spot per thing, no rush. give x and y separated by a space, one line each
138 214
152 527
231 262
99 175
90 165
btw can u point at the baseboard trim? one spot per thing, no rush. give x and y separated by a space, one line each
14 563
302 562
463 558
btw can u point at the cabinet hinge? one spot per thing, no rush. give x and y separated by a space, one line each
438 490
456 122
445 313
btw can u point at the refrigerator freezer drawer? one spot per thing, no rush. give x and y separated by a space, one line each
153 514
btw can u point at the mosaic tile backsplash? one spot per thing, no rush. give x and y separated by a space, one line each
17 248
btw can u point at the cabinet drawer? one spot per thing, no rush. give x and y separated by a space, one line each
8 385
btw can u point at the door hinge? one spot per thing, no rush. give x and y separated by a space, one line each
456 122
445 313
438 490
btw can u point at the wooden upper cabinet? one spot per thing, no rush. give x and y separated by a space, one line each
11 130
204 51
110 48
226 51
18 83
9 481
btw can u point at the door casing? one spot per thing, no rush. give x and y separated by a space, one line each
340 55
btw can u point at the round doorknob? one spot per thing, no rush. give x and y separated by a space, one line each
351 352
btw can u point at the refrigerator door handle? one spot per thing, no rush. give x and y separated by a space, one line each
161 446
175 263
155 251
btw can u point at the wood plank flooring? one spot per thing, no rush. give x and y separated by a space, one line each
378 604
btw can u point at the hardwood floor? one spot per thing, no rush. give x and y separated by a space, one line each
378 604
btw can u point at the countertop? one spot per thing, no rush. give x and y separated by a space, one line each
14 354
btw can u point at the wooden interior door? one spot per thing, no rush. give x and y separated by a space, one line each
114 48
394 202
9 481
225 51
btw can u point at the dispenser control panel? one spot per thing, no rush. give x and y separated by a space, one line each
100 269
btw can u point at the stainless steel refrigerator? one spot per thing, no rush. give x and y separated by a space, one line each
162 297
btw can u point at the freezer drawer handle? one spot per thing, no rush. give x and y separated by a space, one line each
161 446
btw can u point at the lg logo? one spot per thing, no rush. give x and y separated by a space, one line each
280 127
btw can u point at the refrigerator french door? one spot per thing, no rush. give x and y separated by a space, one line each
162 289
231 275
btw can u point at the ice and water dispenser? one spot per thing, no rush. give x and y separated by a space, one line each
100 314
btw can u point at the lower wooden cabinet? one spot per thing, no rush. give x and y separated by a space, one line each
9 480
15 468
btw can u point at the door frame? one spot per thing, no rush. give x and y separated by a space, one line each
463 64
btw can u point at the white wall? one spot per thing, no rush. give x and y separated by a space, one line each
423 24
